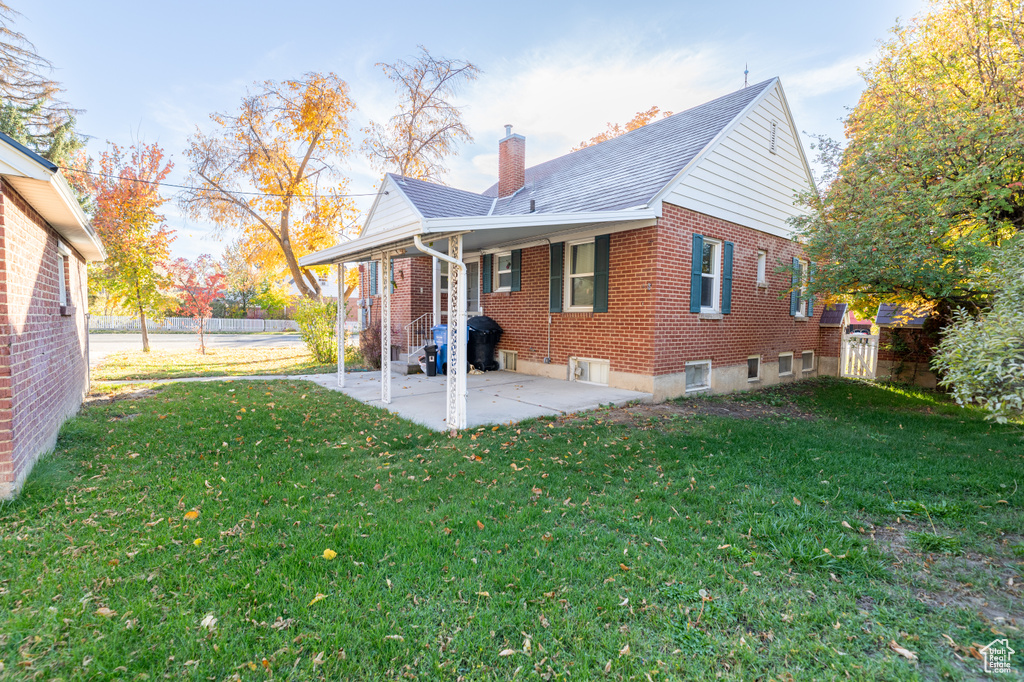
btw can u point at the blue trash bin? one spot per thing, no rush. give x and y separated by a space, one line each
440 332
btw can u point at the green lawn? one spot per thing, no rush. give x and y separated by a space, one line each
657 544
162 364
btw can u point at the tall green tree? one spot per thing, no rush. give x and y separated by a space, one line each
31 110
931 181
126 191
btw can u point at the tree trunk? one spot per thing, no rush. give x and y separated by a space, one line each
310 290
145 332
202 339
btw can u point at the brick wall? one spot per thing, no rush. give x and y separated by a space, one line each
43 365
760 323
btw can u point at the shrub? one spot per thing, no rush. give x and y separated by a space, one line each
982 358
369 345
317 320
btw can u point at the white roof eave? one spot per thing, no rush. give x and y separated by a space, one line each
385 241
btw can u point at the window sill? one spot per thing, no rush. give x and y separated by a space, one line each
579 310
762 285
710 316
754 381
67 311
801 318
702 389
504 290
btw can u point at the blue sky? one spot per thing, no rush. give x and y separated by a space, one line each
557 71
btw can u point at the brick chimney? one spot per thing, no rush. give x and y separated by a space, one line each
511 163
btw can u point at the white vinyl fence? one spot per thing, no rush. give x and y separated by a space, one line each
859 356
124 323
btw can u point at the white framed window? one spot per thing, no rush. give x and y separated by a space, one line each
442 273
754 368
473 287
762 268
502 275
698 376
63 264
579 276
711 276
785 364
807 360
805 270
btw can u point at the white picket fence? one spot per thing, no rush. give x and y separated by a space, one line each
859 356
124 323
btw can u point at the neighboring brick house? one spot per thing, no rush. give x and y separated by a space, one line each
660 261
45 243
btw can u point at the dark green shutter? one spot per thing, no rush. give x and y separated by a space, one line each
727 279
487 273
695 278
601 262
555 290
794 296
517 265
373 278
810 299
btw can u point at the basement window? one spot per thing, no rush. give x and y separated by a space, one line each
754 368
807 357
785 364
64 280
698 376
762 268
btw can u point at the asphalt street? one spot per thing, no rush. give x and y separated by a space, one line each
101 345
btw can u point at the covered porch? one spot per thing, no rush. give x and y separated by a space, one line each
496 397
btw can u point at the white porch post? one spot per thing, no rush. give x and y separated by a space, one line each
341 325
385 329
435 293
456 388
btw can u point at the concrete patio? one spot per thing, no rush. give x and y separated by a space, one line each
494 397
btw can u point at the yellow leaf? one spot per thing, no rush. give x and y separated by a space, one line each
191 515
197 542
480 524
329 554
484 594
319 597
624 567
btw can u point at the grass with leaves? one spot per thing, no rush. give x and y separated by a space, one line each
276 530
162 364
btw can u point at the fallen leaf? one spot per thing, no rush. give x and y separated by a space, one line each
208 623
547 537
846 525
624 567
544 622
608 667
197 542
624 651
484 594
105 612
191 515
480 525
329 554
624 602
397 638
507 652
724 546
318 659
320 596
796 501
905 653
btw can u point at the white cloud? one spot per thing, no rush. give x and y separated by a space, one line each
828 79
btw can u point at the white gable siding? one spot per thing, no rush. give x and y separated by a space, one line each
391 211
741 181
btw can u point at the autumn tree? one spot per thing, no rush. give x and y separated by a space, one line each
417 140
641 119
931 181
31 110
270 172
125 188
198 283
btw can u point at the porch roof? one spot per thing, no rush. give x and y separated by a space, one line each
480 233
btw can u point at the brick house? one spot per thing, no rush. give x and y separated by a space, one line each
45 243
659 261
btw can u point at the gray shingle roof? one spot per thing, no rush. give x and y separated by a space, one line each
890 315
833 315
438 201
621 173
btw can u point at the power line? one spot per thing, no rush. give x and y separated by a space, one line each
205 189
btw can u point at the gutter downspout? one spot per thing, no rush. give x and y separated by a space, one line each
456 421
